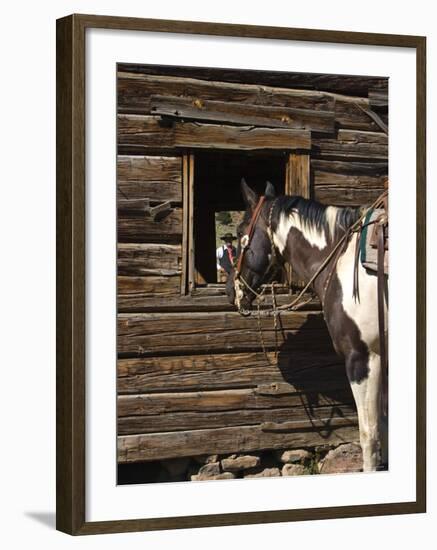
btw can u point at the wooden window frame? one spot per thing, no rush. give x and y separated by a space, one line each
297 182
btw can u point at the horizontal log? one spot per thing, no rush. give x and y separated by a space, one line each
378 99
347 84
156 178
149 334
226 370
227 400
348 180
188 420
137 288
136 259
148 132
348 115
346 195
135 92
216 300
352 145
140 228
228 112
352 168
149 168
134 448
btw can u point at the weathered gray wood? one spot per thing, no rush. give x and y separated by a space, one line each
348 115
346 195
359 182
158 178
140 228
136 259
149 168
131 196
230 370
227 400
147 132
378 99
135 92
137 288
189 420
348 84
228 112
213 301
352 168
148 333
352 145
132 448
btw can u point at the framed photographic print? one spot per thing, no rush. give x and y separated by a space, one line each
226 350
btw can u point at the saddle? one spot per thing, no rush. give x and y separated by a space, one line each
375 222
372 247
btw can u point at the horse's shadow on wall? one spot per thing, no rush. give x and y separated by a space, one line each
309 363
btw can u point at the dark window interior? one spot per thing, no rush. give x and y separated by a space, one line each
217 178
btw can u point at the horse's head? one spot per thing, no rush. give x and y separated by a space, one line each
256 254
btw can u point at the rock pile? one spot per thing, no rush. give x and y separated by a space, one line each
261 464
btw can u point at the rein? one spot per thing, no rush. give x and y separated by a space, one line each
336 251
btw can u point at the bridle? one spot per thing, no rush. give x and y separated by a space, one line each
245 241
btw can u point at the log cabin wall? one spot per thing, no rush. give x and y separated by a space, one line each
193 377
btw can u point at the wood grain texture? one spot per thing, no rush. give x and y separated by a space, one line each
148 333
136 90
132 448
131 290
148 132
226 370
351 85
137 259
198 302
136 227
315 417
349 116
227 112
225 400
352 145
346 194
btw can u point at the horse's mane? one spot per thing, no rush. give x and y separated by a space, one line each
313 213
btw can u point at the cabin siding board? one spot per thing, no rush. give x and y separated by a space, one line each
192 375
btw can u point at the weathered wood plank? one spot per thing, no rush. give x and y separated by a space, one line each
138 260
348 84
157 178
149 168
378 99
348 180
195 421
148 132
228 112
135 92
148 333
353 145
132 448
227 370
348 115
227 400
204 302
134 227
371 169
346 195
137 288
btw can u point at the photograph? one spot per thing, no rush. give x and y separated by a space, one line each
252 274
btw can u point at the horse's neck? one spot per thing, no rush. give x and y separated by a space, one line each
305 247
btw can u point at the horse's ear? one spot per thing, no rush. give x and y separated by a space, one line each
270 192
249 196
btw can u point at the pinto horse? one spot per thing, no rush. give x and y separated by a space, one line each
303 233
